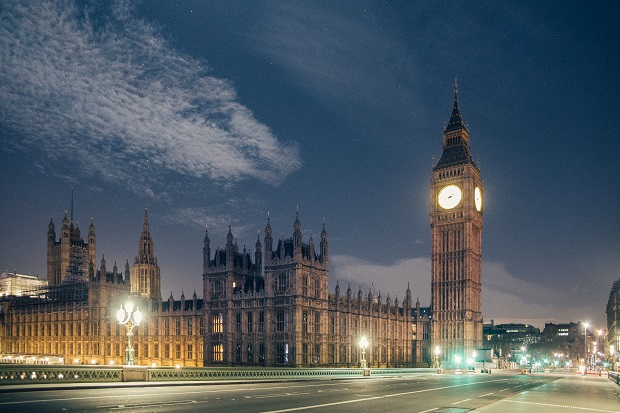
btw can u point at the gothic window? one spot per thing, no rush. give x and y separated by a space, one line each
178 326
202 326
281 284
238 322
190 327
190 351
178 351
218 323
304 353
304 284
261 322
238 353
317 288
317 322
166 327
261 352
218 352
282 319
250 317
282 355
304 321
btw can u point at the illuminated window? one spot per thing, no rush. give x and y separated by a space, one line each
218 323
218 352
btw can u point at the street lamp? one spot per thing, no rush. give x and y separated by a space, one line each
437 352
129 319
585 347
363 346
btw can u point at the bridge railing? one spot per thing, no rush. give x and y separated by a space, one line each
57 374
36 373
258 373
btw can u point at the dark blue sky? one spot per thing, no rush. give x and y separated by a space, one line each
217 112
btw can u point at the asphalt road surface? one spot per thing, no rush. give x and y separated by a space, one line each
424 393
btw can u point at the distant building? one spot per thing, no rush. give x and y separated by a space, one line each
613 324
12 283
508 342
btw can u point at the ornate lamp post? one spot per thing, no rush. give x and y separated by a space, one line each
585 347
363 346
129 319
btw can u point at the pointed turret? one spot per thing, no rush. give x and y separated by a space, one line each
206 252
92 241
145 277
297 234
145 246
323 246
268 241
258 253
456 120
455 138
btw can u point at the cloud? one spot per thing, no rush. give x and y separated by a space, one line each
391 278
107 94
505 298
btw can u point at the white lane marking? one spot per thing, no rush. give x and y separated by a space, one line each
317 406
111 396
267 396
563 406
488 394
430 410
461 401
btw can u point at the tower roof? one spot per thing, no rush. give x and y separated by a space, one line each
456 119
455 139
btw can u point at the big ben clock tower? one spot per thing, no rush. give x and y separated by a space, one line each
456 197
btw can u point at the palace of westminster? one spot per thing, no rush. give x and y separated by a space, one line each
267 308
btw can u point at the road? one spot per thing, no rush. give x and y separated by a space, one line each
421 394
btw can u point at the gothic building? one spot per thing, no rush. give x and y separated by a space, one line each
276 310
272 309
456 224
69 256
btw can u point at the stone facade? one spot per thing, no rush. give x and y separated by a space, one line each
272 310
276 310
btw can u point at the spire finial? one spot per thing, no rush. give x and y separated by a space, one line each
456 89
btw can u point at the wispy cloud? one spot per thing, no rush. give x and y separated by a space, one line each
118 101
502 293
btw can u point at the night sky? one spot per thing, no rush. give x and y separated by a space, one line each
214 113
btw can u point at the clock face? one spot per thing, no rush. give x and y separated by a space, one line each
478 198
449 197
